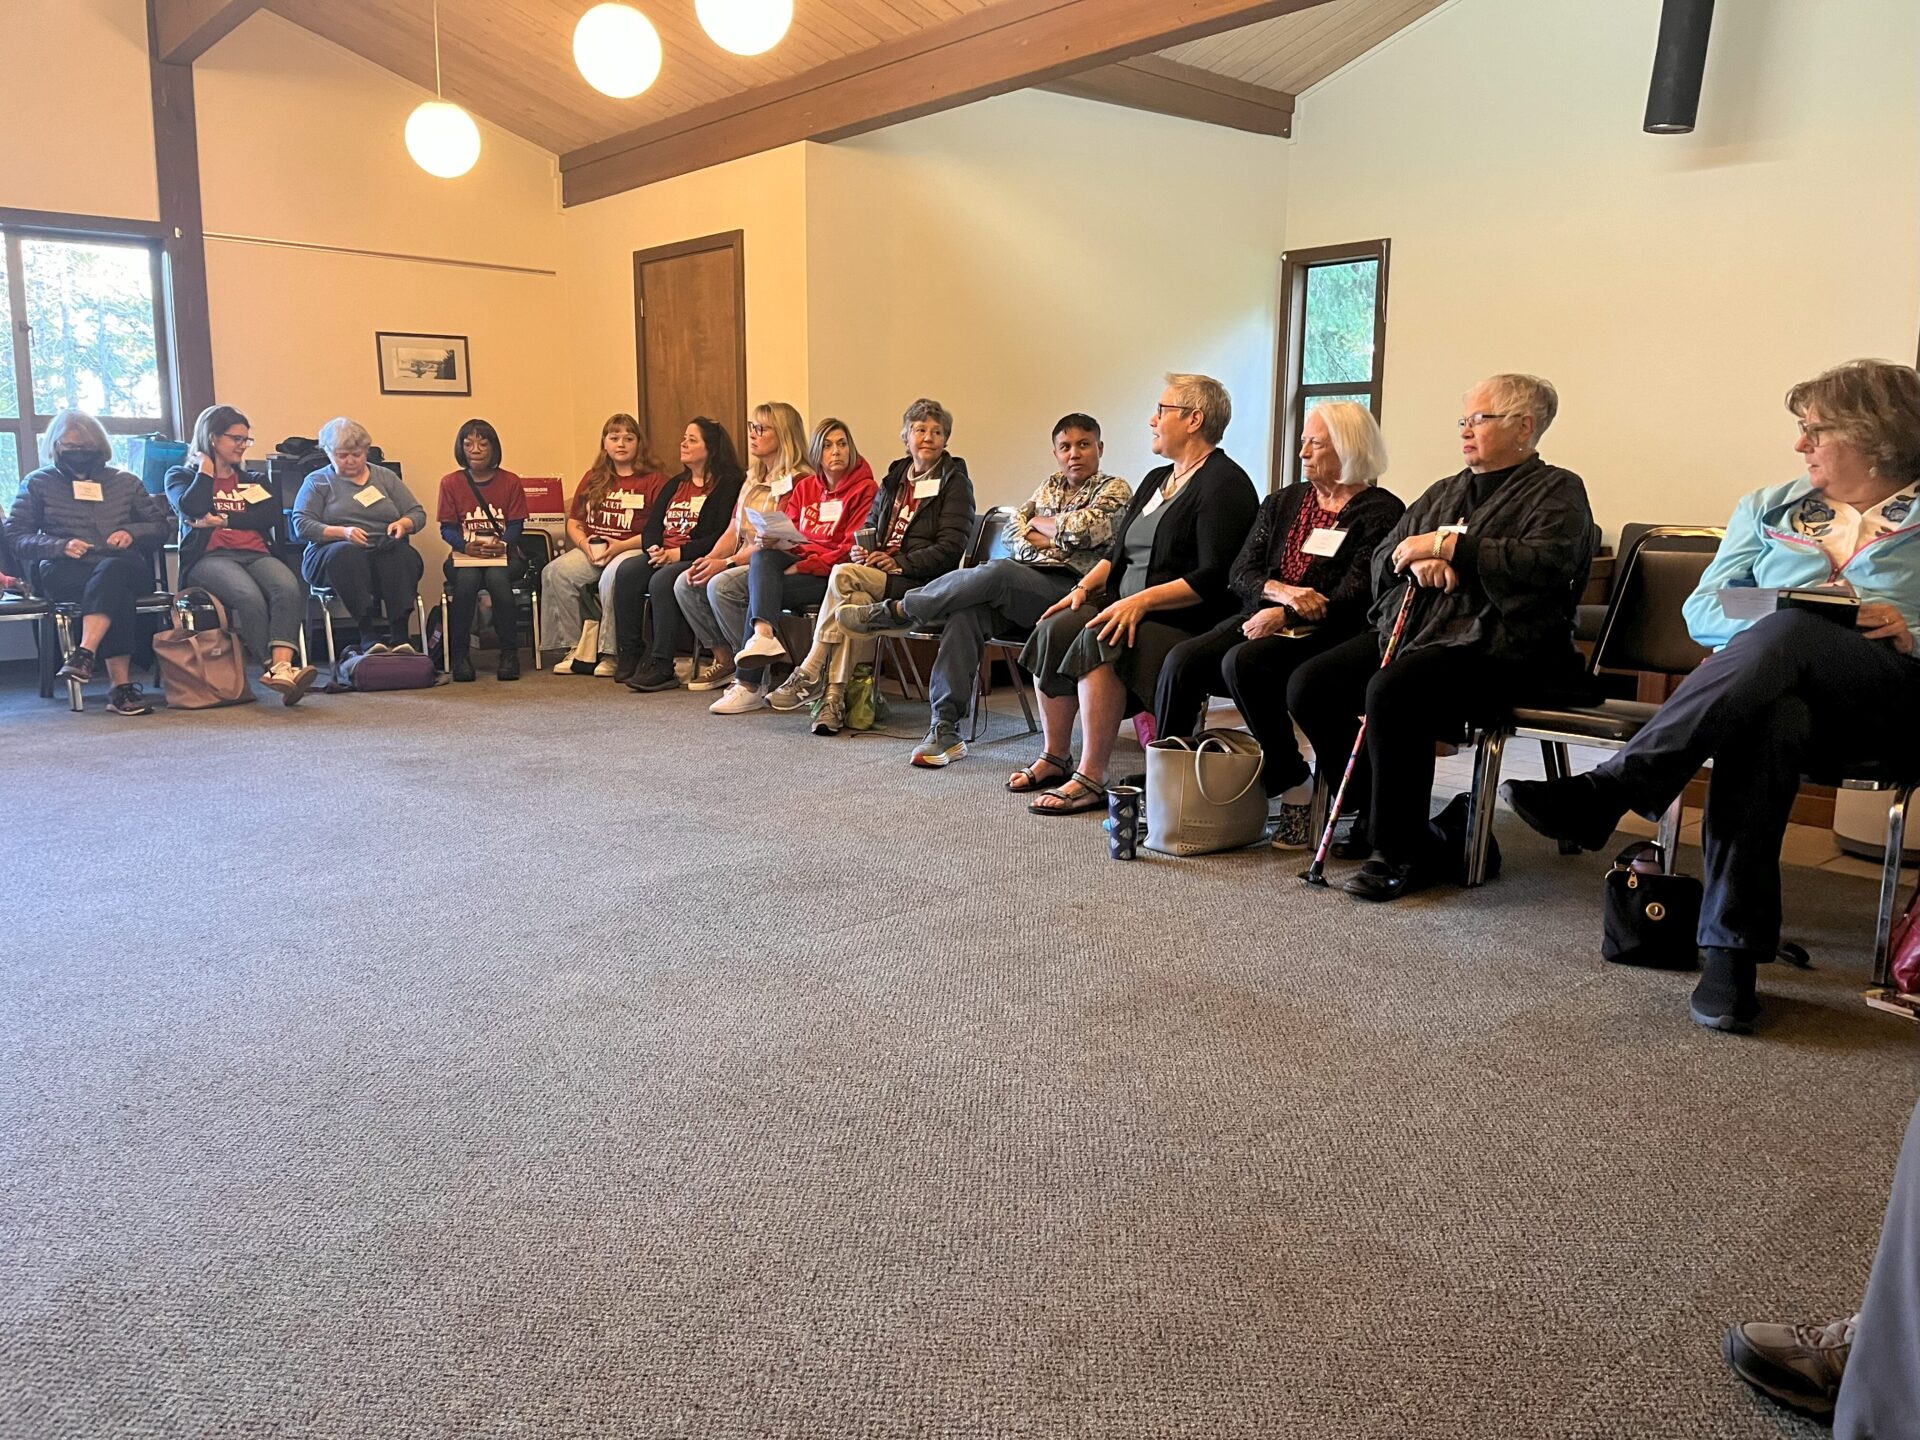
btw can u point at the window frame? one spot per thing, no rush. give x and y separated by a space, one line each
16 225
1290 395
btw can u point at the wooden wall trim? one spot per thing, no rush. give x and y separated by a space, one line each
1009 46
184 30
187 362
1166 87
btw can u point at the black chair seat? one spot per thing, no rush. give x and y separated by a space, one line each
21 607
1617 721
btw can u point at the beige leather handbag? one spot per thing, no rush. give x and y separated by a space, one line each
201 669
1204 794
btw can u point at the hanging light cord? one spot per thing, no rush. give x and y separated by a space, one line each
438 93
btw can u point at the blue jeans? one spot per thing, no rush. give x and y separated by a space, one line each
1788 691
977 604
264 601
762 589
1880 1390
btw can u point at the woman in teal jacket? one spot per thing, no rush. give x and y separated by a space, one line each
1790 692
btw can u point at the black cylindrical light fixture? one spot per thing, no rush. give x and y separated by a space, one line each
1679 64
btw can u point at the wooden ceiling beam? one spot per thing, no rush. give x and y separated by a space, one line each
184 30
1166 87
1008 46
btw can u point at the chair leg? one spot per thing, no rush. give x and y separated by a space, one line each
333 654
46 639
1890 885
978 709
1553 759
1486 784
304 662
533 607
1669 837
420 609
76 702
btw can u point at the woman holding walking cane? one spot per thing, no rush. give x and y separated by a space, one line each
1479 581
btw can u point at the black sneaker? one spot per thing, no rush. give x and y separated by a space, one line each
655 675
128 700
79 665
462 669
1350 840
625 667
1582 810
507 667
1724 998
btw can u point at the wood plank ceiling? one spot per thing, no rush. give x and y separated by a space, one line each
511 61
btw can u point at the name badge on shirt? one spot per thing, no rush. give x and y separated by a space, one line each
628 500
254 494
830 511
88 490
1324 542
923 489
782 486
369 495
695 505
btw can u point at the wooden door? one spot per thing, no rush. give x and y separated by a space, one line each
690 324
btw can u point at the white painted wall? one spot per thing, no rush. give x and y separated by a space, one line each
1031 255
1672 287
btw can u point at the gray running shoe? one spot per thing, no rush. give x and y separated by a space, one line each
878 618
832 715
712 677
942 746
1798 1365
796 690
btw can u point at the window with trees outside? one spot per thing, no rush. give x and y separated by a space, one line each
1333 335
83 333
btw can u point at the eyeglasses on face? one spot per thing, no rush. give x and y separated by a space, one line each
243 440
1163 407
754 427
1816 434
1481 417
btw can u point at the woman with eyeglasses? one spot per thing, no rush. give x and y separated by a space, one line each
1097 652
86 532
1487 567
916 528
1793 692
483 513
227 523
358 521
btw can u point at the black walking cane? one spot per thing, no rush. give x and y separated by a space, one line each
1316 873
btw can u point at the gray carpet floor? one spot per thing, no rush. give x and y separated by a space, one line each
549 1061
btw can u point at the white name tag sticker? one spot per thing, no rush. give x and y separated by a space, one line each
1324 542
924 489
87 490
369 495
696 504
254 494
782 486
830 511
627 500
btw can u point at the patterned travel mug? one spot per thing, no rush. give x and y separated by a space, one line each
1124 803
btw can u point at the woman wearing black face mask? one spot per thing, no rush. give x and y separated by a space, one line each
87 533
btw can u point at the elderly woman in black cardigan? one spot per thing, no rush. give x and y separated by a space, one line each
1304 579
1165 579
1492 559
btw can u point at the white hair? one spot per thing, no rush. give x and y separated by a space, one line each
68 423
1525 395
342 433
1356 440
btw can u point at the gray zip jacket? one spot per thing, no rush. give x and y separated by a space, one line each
45 516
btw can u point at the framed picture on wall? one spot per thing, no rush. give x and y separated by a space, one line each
423 364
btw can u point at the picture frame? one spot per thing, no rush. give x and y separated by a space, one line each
414 364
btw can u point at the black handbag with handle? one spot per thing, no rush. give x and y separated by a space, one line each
1650 917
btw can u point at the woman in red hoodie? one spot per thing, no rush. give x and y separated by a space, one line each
826 507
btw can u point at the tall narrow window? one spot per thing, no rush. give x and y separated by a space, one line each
1333 336
83 333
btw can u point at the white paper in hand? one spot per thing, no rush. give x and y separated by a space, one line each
774 529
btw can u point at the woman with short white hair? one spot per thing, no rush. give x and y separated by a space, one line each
1487 567
1305 580
356 520
90 532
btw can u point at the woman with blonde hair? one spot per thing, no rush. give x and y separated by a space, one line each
607 524
713 591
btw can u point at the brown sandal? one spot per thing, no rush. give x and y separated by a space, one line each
1022 781
1092 796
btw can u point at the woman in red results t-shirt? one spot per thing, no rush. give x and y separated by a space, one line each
483 510
227 521
607 524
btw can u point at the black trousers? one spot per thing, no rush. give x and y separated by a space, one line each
1789 694
465 582
1255 673
366 578
108 583
1423 696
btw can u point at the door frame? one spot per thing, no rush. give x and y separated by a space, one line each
734 240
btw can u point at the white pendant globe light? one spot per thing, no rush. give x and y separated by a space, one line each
746 27
617 50
441 137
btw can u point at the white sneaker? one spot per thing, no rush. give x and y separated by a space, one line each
761 647
606 666
739 700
